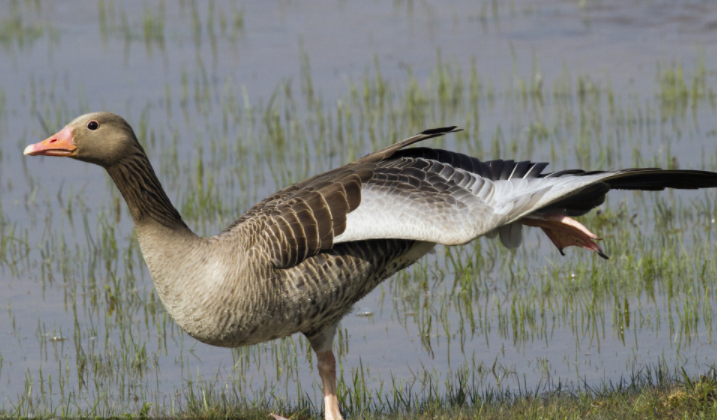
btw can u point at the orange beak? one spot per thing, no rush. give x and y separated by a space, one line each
58 145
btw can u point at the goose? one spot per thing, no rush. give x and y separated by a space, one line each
298 260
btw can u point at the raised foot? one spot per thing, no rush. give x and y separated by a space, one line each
278 417
565 232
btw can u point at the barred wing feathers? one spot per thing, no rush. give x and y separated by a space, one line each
305 218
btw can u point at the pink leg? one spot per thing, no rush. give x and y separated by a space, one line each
327 372
565 232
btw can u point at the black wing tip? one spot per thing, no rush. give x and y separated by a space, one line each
441 130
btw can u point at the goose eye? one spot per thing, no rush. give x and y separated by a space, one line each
92 125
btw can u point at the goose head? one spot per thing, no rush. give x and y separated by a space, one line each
101 138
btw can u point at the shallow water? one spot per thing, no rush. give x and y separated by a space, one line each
235 101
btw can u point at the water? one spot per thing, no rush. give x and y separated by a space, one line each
589 84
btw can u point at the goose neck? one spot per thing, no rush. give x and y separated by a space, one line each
148 203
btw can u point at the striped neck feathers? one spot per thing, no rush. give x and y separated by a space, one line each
145 197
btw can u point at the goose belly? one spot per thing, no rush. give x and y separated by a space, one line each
310 296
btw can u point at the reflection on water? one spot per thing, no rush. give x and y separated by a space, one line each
235 101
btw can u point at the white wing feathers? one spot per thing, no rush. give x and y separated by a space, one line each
452 206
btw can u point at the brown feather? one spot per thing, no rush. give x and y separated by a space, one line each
321 214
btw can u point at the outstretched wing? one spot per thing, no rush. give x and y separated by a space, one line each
450 198
437 196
